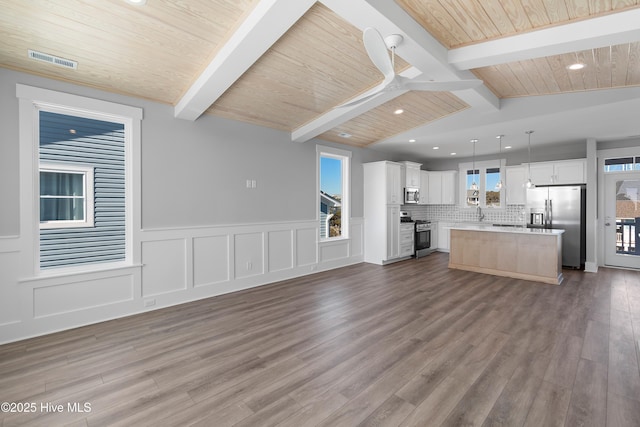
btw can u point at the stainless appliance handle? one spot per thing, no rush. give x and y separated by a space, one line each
550 212
417 197
546 212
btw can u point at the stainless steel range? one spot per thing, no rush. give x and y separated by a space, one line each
422 239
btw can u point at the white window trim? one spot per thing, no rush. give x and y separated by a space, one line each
345 156
31 100
89 193
482 166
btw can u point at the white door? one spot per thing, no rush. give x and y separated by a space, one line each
622 219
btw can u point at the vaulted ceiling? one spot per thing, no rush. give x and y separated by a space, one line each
287 64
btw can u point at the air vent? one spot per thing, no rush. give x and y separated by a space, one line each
55 60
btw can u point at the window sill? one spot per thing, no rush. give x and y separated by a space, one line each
74 273
334 240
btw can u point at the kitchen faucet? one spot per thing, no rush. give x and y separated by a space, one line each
480 214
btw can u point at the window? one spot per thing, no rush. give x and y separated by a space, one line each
80 178
622 164
487 175
66 196
333 167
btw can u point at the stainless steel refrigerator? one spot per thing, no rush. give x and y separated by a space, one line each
561 207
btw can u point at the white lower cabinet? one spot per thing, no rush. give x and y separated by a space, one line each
407 247
444 236
393 232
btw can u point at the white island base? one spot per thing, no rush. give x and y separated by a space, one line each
521 253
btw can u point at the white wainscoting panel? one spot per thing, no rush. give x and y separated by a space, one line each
280 250
69 297
307 246
249 254
9 305
330 251
357 239
210 260
177 265
164 266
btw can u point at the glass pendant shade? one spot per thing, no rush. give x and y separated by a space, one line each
474 185
499 184
529 183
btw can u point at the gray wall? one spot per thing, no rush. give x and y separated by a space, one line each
193 173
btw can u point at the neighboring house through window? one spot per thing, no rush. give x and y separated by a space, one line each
334 167
486 176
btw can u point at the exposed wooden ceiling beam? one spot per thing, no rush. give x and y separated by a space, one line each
263 27
419 48
608 30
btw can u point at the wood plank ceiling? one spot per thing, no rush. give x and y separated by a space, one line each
457 24
157 52
152 52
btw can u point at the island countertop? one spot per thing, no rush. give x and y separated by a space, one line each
518 252
505 229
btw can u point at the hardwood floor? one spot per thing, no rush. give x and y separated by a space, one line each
411 343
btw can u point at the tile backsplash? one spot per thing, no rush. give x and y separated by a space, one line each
512 214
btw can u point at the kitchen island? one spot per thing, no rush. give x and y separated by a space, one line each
521 253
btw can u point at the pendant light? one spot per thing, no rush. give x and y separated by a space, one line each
474 185
529 184
499 184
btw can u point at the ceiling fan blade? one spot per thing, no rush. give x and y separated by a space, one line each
440 86
377 51
365 96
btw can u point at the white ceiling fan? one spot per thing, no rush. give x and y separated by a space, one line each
376 47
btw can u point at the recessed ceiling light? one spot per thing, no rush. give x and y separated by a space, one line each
344 135
474 140
136 2
453 154
412 140
398 111
576 66
507 147
436 148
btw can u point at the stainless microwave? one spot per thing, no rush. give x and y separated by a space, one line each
411 195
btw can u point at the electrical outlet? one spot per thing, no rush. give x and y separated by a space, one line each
150 302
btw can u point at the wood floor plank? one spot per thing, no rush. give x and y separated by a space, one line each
549 408
411 343
589 396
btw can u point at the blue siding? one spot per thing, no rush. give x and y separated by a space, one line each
101 145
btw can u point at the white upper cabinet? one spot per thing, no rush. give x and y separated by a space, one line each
515 179
559 172
394 186
449 186
434 194
442 188
411 174
571 172
424 188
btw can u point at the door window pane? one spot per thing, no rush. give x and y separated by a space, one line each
627 216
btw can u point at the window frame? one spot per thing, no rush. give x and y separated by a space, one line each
87 173
345 157
482 167
32 100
